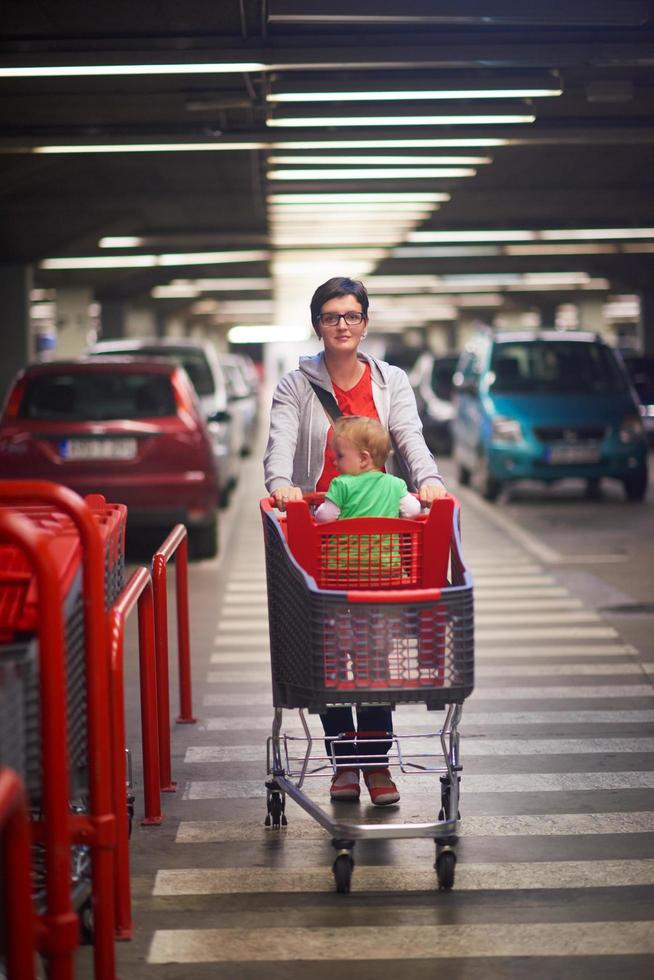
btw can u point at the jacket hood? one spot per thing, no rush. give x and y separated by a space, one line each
313 366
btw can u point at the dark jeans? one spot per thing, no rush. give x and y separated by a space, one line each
374 718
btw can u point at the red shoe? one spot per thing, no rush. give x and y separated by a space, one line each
381 787
345 786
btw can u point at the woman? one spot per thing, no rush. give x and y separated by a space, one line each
298 460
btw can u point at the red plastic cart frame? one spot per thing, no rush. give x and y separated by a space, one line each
60 934
98 828
175 546
138 590
16 852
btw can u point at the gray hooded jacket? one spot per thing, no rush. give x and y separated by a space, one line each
295 453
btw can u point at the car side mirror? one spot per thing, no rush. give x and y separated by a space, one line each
221 416
465 386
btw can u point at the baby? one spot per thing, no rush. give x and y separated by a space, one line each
361 446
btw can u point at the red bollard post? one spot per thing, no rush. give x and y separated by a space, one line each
161 647
16 852
175 545
138 589
185 716
61 936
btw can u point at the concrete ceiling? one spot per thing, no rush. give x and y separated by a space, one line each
587 161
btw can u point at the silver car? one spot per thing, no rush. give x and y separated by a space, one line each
204 368
243 399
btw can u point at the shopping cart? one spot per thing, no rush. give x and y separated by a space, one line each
368 611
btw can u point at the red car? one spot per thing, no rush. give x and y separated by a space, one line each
129 429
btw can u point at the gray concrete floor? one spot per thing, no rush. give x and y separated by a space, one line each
556 858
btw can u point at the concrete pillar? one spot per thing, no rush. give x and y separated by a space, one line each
591 315
73 320
140 322
15 337
647 320
113 313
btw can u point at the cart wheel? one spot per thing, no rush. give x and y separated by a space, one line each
342 869
445 864
276 817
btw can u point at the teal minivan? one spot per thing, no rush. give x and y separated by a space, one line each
546 406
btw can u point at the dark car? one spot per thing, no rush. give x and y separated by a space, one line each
131 430
640 368
202 364
546 406
431 379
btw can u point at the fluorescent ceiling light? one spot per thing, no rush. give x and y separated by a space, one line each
471 236
389 144
414 95
226 285
514 235
392 160
495 119
334 209
150 261
171 291
375 173
143 147
374 197
446 252
77 71
267 334
580 248
120 241
591 234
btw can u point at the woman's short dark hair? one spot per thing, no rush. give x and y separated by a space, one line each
338 286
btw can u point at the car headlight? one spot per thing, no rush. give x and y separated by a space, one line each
631 429
506 429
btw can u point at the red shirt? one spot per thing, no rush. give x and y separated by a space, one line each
356 401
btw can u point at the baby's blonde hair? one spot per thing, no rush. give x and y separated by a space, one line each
368 435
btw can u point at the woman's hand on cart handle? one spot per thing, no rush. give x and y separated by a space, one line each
282 495
429 492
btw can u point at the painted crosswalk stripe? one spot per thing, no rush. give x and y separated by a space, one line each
291 944
483 653
564 782
513 671
504 693
469 877
519 591
547 633
259 625
528 605
520 825
474 748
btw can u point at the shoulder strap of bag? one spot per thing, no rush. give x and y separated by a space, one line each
328 402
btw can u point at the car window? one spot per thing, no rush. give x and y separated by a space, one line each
641 372
554 367
441 377
237 386
97 396
193 360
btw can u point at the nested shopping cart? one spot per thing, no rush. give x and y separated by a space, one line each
368 611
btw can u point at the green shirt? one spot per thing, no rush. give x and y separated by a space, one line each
371 494
362 557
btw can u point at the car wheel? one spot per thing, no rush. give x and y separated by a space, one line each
226 494
489 486
463 475
635 485
203 540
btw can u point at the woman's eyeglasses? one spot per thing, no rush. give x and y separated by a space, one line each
352 318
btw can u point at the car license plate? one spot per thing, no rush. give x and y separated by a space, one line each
81 449
572 454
